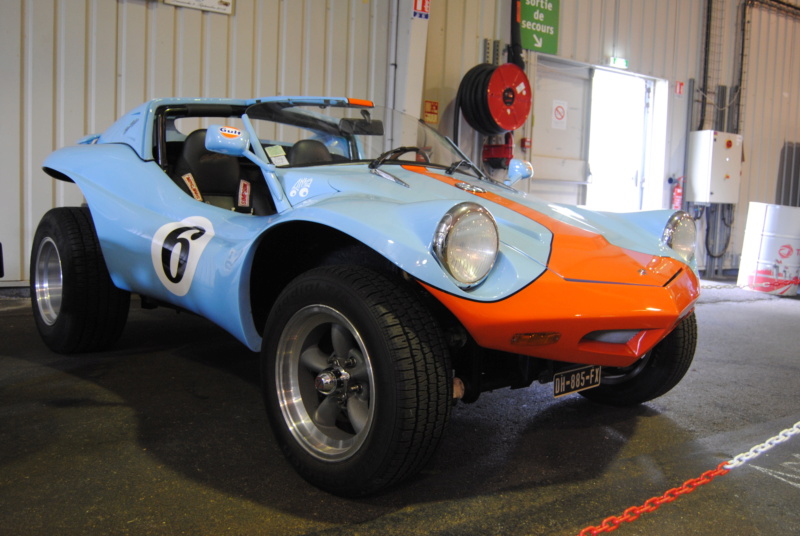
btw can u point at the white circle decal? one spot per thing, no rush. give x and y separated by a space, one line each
176 249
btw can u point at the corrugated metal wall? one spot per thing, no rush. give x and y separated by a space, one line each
71 67
664 40
456 33
659 39
770 118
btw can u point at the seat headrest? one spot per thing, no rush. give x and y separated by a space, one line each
214 173
306 152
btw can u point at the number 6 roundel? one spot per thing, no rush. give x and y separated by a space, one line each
176 249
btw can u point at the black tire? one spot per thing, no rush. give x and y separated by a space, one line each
76 306
654 374
390 394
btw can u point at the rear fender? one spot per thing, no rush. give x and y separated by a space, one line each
136 206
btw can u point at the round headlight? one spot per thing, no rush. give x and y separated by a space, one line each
466 243
680 234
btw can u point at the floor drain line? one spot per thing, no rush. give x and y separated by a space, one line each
633 513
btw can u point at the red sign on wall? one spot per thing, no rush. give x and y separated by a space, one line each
422 8
431 112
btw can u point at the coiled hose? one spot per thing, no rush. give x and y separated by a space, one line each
494 99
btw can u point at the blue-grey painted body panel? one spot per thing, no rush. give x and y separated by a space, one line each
146 223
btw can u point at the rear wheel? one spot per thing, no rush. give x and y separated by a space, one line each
75 304
654 374
356 379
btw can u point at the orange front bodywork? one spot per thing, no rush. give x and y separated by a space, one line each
590 286
573 310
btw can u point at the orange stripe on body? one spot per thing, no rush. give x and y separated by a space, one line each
579 254
582 302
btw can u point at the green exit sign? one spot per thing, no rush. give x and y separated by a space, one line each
539 25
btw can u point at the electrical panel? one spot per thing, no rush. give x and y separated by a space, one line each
713 167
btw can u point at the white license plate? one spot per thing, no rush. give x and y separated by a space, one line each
572 381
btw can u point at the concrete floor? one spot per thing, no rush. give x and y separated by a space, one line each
167 435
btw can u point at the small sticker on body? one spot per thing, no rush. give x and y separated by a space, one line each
277 155
300 188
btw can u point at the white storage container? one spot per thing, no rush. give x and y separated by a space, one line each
771 253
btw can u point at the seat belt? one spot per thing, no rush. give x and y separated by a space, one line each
188 179
244 197
244 202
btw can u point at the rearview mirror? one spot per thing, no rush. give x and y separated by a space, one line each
367 127
227 140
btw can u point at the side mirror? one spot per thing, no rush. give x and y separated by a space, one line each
227 140
518 170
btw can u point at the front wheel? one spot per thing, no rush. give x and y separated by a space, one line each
654 374
356 379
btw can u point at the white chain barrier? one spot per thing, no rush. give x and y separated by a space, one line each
745 457
634 512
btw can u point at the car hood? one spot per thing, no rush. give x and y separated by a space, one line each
576 244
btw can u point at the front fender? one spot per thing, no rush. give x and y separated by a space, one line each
403 234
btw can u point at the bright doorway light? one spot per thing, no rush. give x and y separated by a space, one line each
618 138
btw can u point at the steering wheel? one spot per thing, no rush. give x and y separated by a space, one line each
392 154
403 150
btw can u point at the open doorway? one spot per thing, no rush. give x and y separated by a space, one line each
599 137
625 165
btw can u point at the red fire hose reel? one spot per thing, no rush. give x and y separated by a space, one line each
495 100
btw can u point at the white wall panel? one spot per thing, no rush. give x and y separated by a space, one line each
71 67
655 37
101 70
267 54
660 39
456 33
11 150
70 113
38 121
771 107
337 57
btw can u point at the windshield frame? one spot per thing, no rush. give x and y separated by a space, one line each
323 118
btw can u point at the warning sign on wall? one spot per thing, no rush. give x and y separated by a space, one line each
539 25
559 115
431 110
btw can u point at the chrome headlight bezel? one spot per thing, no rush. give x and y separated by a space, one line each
466 243
680 235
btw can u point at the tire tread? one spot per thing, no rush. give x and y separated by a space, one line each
421 371
93 311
